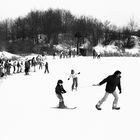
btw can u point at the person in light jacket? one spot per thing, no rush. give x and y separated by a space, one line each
74 77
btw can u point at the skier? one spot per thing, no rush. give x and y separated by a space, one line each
54 54
1 69
112 81
94 53
33 63
46 67
14 66
18 67
59 90
75 79
98 55
27 67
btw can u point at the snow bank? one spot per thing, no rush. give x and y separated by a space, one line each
109 48
8 55
132 51
114 49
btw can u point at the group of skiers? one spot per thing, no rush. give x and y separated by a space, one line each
65 54
9 66
112 81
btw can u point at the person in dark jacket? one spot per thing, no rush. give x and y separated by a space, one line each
33 63
59 90
112 81
27 67
46 67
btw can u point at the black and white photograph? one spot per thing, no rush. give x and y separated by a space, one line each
69 70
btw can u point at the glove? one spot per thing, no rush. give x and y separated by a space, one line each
95 85
78 72
68 78
63 92
120 92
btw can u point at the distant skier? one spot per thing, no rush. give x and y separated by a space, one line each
59 90
14 66
27 67
18 67
94 53
73 75
112 81
54 54
33 63
46 67
1 69
98 55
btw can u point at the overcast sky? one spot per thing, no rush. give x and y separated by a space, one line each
118 12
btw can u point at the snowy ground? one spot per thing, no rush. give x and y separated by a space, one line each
26 101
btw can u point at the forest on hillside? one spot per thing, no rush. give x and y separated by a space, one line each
58 26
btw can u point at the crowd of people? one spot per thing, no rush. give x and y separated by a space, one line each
24 65
65 54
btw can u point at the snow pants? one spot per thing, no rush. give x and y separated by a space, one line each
46 69
60 97
75 83
105 97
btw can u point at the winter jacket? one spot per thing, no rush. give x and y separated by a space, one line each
59 89
74 75
112 82
27 64
46 65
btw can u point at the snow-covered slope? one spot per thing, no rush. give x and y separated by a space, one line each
26 101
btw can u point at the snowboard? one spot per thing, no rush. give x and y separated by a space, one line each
65 108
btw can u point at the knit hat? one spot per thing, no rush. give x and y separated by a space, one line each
117 72
59 82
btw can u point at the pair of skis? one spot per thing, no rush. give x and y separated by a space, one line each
65 108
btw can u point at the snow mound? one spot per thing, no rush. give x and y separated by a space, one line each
109 48
114 49
8 55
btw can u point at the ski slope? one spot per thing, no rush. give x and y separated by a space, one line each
26 102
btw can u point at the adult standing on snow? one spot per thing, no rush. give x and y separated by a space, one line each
46 67
27 67
33 63
59 90
94 53
112 81
14 66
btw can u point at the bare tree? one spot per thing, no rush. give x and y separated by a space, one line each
132 25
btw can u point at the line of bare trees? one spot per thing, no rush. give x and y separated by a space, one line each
52 23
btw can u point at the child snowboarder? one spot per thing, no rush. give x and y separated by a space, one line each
112 81
59 90
75 80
